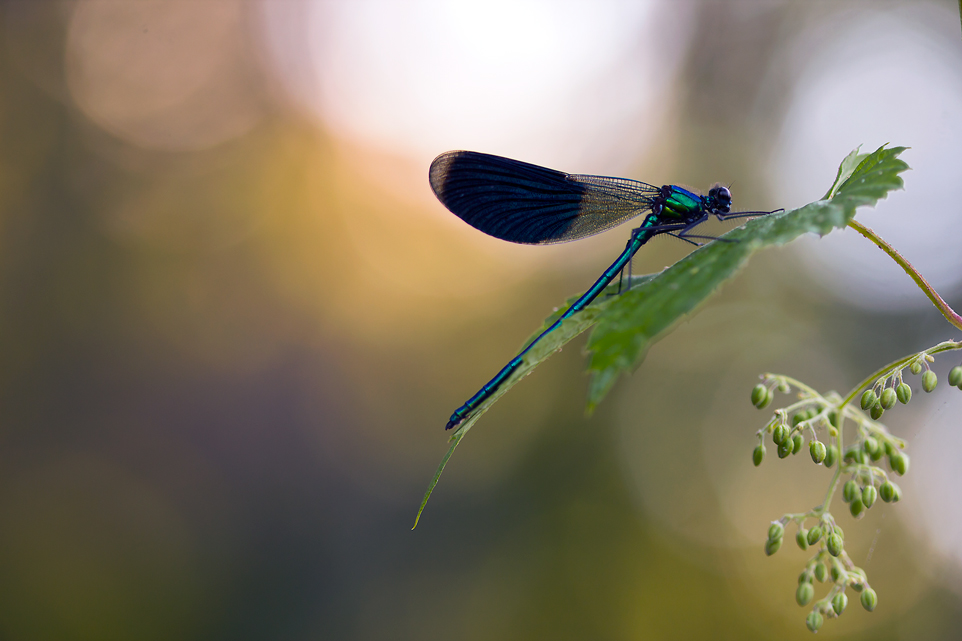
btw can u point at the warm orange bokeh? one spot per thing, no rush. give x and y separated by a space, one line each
235 321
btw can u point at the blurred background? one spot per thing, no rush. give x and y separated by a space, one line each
234 319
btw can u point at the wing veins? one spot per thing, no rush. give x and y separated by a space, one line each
525 203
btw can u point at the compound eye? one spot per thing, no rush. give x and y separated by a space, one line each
721 197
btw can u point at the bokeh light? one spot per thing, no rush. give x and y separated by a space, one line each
909 55
234 318
162 75
539 79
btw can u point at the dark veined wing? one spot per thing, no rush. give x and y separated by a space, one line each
524 203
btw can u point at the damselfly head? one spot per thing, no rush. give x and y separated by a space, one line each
719 200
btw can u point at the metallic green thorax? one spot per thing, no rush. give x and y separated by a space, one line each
681 204
676 204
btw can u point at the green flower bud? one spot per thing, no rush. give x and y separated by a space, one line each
805 577
784 387
955 376
870 445
916 367
929 381
869 599
889 448
780 434
835 573
849 491
772 545
838 531
775 531
888 398
839 603
868 399
760 396
817 450
814 535
868 495
886 490
801 538
904 393
820 572
814 620
786 448
797 442
876 412
890 492
878 453
798 418
759 454
831 455
899 463
833 418
834 544
856 507
804 594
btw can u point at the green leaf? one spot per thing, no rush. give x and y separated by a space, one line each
455 439
554 341
632 322
569 329
629 323
845 170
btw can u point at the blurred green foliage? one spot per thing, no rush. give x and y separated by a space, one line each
222 370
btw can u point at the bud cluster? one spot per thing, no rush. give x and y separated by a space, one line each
830 564
788 426
868 482
890 387
820 419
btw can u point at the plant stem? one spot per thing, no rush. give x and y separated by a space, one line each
949 313
944 346
814 395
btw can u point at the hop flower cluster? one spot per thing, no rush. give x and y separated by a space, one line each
821 420
830 564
